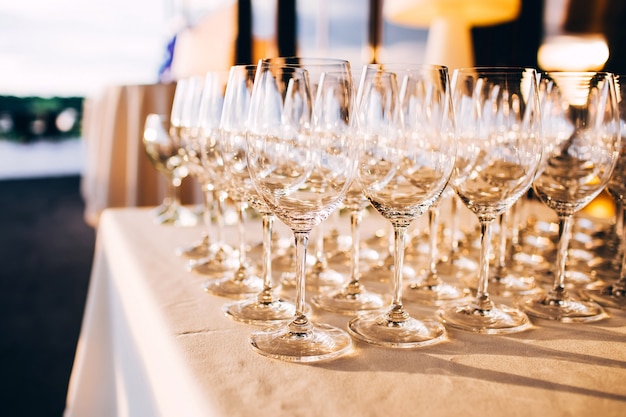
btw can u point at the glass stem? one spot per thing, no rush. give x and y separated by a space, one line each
241 226
320 255
355 221
174 190
501 261
620 215
482 296
397 314
433 224
454 225
301 324
170 191
219 216
268 222
561 255
516 215
208 207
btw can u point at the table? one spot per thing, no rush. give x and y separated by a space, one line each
154 344
117 173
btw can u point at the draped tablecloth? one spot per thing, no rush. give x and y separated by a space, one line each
154 344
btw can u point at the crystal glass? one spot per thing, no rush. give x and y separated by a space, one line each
320 275
405 125
163 153
580 158
301 160
171 211
265 306
207 258
184 109
500 144
614 294
225 281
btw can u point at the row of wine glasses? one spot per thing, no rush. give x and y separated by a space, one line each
296 139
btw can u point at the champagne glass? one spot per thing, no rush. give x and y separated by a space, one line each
163 153
614 294
579 162
406 126
265 306
301 163
500 145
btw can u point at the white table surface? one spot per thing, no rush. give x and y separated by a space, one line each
153 343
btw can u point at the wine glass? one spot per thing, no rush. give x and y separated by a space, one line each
163 153
184 115
172 211
207 258
230 282
614 294
500 145
265 306
301 161
320 275
580 159
406 127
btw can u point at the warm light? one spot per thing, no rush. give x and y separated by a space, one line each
602 207
450 23
573 53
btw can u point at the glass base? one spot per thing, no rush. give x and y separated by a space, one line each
407 332
608 296
255 311
235 286
215 265
315 280
561 307
197 250
488 320
383 272
438 294
351 299
507 285
178 216
288 343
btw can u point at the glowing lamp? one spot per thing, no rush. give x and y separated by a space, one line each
449 24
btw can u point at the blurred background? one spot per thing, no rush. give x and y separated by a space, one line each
58 58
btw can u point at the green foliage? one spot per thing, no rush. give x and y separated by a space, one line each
27 119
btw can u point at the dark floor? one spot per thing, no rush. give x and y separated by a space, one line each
46 250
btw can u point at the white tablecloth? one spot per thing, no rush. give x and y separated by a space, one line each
154 344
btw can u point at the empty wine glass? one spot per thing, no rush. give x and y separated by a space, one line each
405 125
164 155
174 212
301 162
614 294
185 115
580 159
239 281
320 275
499 152
265 306
207 258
